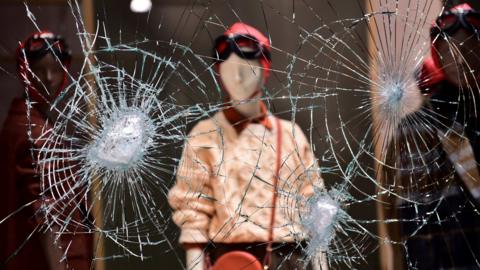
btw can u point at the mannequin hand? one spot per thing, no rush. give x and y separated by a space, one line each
195 259
52 252
319 262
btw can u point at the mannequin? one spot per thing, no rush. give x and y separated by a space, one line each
42 62
440 174
242 80
226 155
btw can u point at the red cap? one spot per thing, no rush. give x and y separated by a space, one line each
240 28
462 7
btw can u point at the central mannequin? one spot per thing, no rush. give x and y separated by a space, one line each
220 159
242 80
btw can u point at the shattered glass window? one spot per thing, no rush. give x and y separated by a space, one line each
382 92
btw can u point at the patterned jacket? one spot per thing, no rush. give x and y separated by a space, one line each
224 185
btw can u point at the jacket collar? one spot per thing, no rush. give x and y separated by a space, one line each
240 121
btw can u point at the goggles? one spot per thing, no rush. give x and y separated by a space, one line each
40 44
450 21
245 46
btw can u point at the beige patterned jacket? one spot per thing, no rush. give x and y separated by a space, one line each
224 182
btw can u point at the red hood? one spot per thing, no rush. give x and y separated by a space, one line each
25 75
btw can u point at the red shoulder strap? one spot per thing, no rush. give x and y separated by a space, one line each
268 256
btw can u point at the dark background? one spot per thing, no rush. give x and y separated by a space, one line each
195 23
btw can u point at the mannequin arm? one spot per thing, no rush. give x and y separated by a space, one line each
195 259
319 262
53 253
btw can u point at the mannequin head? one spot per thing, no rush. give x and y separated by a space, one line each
450 76
41 62
456 45
243 61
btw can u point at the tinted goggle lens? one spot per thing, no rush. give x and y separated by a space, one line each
473 19
246 44
447 21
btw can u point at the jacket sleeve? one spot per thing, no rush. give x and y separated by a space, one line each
192 196
28 182
29 176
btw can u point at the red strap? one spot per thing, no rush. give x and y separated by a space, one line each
268 255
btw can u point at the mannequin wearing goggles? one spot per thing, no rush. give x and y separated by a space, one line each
42 60
243 62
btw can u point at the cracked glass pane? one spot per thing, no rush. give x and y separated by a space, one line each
335 134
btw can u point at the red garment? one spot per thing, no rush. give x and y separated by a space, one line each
240 121
429 76
21 185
